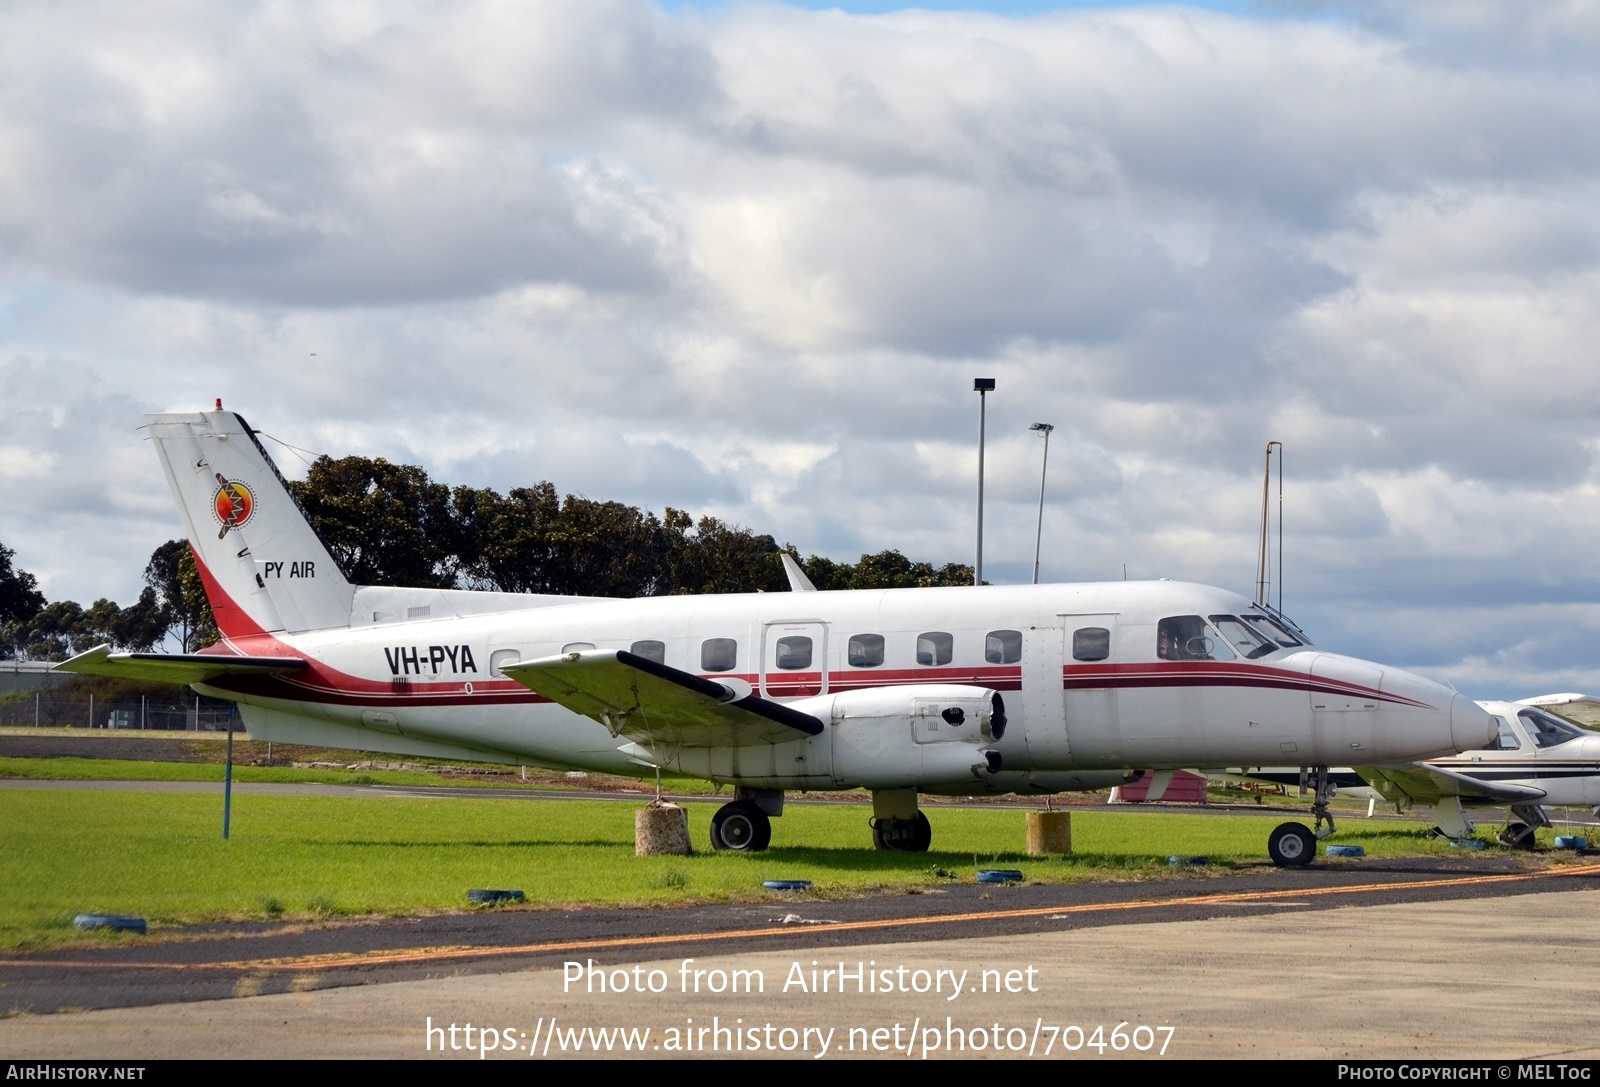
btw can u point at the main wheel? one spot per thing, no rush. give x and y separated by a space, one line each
903 835
1291 845
1517 835
740 827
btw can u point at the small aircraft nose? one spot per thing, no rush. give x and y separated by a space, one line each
1471 726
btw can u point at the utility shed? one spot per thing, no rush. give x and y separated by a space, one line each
1186 788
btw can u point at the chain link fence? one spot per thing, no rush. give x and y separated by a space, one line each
194 714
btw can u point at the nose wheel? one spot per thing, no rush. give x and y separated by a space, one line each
1291 845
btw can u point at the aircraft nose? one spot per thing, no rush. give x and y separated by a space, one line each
1471 726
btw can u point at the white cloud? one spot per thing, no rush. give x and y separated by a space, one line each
747 261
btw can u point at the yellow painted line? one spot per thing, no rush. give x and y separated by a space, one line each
454 952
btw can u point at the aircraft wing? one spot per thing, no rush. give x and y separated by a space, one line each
175 667
1428 783
1582 710
655 704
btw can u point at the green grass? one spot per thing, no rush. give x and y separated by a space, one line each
160 855
73 768
69 768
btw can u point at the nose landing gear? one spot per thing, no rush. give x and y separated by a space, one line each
1292 845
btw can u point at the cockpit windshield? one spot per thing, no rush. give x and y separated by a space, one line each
1273 629
1187 638
1245 640
1547 731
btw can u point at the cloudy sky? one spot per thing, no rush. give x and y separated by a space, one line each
745 259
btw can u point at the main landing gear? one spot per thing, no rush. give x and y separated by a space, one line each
745 825
898 826
1292 845
1524 820
740 827
902 835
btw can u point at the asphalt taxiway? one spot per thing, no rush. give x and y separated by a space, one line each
1486 956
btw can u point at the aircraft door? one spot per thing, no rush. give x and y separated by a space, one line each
794 659
1090 695
1043 707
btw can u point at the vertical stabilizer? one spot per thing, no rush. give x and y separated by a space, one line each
264 566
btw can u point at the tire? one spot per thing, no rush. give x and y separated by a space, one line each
1291 845
740 827
1517 836
903 835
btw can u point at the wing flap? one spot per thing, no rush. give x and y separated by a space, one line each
653 703
175 667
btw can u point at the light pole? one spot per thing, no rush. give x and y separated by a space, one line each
983 386
1044 466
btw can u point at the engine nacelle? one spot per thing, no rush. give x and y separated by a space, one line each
879 738
905 736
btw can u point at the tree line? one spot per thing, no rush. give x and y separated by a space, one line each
390 524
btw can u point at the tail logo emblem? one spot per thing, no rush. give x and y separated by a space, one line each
233 504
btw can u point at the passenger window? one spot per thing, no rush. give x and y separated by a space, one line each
650 651
500 658
794 652
1091 644
866 650
573 647
935 648
1003 646
719 655
1187 638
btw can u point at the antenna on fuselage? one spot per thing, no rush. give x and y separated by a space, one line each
1264 553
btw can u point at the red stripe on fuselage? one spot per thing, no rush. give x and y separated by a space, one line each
1218 674
242 635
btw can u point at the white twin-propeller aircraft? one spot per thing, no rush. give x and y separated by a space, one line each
965 691
1538 760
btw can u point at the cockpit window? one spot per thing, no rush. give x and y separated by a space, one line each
1245 641
1547 731
1507 740
1187 638
1273 629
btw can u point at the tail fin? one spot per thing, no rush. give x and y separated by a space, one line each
263 564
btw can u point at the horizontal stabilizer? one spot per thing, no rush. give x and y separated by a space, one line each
1427 783
652 703
175 667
